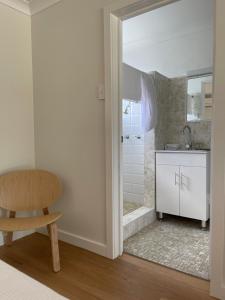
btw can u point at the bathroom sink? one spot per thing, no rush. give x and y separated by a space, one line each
199 149
185 151
181 148
196 150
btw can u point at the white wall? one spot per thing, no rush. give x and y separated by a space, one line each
68 64
16 91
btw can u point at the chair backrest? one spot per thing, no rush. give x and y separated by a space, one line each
28 190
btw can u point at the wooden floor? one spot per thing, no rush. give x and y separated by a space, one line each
86 276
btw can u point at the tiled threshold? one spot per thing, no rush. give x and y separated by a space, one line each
137 220
129 207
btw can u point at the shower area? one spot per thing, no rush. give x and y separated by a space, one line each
139 146
138 211
133 155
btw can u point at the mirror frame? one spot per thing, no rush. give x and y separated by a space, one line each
186 109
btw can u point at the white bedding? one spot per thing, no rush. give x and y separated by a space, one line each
15 285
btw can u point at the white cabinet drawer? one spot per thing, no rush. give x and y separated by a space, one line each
182 159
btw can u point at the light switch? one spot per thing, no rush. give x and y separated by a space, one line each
101 92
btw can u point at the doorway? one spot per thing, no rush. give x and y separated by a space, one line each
167 116
114 14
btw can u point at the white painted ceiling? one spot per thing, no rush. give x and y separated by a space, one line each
175 40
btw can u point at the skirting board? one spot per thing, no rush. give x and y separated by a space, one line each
16 235
79 241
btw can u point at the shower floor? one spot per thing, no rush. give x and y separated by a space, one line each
175 242
129 207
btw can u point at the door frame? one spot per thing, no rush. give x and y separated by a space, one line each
113 16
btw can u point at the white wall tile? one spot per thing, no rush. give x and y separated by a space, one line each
133 178
137 189
134 198
133 149
133 159
133 153
133 169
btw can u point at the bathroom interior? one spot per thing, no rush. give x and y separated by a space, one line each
166 127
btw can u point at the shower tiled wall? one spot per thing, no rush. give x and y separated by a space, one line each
156 137
133 153
139 153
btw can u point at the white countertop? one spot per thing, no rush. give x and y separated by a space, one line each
184 151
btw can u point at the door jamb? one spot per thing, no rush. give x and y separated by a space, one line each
113 16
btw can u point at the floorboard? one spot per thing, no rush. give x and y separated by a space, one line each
87 276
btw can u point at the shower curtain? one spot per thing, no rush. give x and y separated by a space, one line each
148 102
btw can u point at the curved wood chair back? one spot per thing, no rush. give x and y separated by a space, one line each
28 190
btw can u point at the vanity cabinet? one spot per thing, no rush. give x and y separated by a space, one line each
167 189
182 184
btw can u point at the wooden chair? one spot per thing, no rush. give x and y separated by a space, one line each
30 190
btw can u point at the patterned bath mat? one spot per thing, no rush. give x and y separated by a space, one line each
174 242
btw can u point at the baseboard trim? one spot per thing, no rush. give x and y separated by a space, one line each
79 241
17 235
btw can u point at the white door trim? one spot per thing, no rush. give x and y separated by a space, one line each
218 161
113 14
112 133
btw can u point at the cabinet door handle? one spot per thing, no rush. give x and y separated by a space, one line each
182 182
177 175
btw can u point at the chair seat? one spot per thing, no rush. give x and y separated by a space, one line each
20 224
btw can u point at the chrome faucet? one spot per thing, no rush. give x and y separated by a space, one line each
187 137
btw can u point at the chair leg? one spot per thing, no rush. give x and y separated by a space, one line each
8 238
46 212
55 247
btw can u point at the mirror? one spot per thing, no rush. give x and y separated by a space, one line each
199 98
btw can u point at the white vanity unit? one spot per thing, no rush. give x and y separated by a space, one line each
183 184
